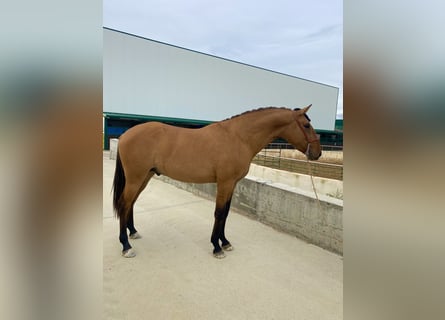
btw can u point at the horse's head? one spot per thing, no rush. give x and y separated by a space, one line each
302 136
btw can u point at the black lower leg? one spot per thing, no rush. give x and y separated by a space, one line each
123 237
218 228
222 237
130 223
224 241
215 235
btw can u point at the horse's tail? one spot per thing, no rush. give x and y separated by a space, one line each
118 186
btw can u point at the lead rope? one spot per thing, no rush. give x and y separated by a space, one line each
312 177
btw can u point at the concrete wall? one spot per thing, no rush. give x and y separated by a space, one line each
329 187
285 208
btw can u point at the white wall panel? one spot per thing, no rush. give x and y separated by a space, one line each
146 77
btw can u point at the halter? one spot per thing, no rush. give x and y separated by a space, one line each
307 138
307 160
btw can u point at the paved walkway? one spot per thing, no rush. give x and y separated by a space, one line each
269 275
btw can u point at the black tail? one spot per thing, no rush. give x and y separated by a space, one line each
118 186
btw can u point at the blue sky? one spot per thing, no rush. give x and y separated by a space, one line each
300 38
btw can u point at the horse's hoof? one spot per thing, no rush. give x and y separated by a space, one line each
130 253
227 247
219 255
135 235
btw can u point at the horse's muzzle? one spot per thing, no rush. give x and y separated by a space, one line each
310 153
312 157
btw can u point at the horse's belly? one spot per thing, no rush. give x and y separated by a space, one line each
192 178
193 173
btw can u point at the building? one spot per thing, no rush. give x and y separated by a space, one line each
146 80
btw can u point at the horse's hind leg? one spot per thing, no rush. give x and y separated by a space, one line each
132 190
134 234
127 200
127 250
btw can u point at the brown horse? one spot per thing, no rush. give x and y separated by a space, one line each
220 152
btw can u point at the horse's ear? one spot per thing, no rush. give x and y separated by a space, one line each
307 108
304 110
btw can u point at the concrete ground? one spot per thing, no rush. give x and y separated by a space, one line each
269 275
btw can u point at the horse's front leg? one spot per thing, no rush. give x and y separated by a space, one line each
223 199
225 244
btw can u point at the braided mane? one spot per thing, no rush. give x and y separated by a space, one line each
263 109
256 110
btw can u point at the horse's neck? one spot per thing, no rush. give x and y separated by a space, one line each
259 130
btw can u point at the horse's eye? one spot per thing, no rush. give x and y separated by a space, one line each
307 126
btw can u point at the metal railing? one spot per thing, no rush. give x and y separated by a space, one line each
284 145
272 157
